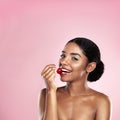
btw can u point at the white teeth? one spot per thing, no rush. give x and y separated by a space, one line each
64 70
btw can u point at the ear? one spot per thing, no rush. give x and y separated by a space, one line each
91 66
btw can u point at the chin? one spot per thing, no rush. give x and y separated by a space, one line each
65 79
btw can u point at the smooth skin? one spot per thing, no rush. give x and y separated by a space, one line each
75 101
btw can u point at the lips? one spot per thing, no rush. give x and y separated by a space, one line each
63 71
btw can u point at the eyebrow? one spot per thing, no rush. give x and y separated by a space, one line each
73 53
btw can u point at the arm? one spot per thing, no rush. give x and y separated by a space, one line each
42 104
103 111
48 102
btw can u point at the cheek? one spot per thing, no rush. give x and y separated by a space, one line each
79 69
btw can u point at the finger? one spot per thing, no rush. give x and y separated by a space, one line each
50 76
47 71
47 67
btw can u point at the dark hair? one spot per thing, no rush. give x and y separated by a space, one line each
92 52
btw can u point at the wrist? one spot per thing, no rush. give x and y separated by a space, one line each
51 90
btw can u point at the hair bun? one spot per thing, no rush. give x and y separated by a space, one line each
97 73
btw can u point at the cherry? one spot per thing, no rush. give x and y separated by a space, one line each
59 70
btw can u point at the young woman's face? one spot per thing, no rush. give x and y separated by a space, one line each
73 63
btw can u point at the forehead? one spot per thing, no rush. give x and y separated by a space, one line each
73 48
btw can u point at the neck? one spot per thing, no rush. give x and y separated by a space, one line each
77 88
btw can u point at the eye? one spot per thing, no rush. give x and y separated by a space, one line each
62 55
75 59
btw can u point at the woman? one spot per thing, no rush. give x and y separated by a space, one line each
80 62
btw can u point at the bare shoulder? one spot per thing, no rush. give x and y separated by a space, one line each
101 99
61 90
103 106
43 92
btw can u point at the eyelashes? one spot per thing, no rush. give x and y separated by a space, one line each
62 56
72 57
75 59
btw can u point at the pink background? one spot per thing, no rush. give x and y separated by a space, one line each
33 33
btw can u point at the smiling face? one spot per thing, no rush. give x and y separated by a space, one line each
73 63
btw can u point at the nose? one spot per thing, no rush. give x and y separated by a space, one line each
64 61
